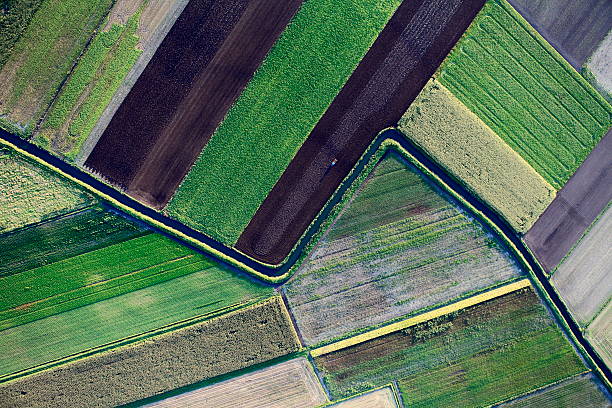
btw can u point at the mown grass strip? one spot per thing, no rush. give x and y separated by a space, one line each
462 304
299 79
508 75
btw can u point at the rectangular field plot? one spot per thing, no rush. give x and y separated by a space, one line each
382 398
458 140
503 71
583 279
290 384
581 391
30 193
399 246
209 290
63 237
473 357
162 363
599 333
41 58
278 109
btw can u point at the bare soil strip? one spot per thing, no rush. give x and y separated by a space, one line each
576 206
197 72
574 28
406 54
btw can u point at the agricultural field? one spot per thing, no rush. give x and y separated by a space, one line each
483 354
557 21
15 17
198 352
404 56
40 59
598 71
198 60
599 334
399 246
580 391
583 279
382 398
289 384
30 193
210 290
290 91
64 237
503 71
574 209
470 151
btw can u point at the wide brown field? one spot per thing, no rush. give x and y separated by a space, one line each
198 71
405 55
574 208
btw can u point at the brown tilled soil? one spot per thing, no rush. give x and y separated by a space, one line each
198 71
575 208
408 51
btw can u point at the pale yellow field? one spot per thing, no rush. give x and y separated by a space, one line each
292 384
459 141
599 333
382 398
583 279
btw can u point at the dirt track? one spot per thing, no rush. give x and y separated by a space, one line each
575 208
196 74
408 51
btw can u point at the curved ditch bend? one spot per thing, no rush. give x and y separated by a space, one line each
235 258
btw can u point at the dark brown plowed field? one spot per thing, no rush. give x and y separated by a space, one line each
406 54
198 71
575 208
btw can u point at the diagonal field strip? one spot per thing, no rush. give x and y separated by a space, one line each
462 304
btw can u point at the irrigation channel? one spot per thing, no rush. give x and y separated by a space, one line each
271 271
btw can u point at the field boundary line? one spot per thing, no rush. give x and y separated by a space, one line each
390 385
412 321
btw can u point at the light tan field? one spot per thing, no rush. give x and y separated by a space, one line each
600 64
599 333
382 398
583 279
292 384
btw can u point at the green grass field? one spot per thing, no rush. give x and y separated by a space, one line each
503 71
469 150
89 89
14 19
42 57
63 237
471 358
94 276
296 83
398 247
30 193
581 391
210 289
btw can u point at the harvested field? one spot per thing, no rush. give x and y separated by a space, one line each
292 384
291 90
575 208
574 28
63 237
94 276
599 68
41 58
235 37
382 398
160 364
30 193
92 83
483 354
508 75
208 291
583 279
406 53
398 247
599 333
581 391
454 137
